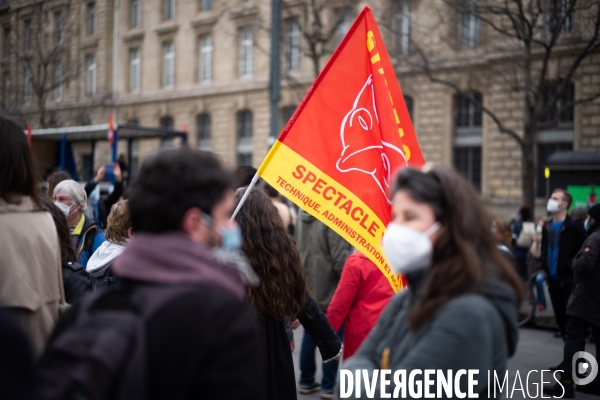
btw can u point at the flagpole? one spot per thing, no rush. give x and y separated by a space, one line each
245 196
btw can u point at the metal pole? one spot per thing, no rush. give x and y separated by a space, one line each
275 79
115 58
92 157
244 197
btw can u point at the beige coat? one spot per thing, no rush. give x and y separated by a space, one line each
30 274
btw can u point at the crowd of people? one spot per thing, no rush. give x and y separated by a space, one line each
157 293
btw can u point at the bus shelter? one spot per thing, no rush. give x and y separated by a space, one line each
65 137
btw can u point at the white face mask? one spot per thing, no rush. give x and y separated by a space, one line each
538 229
407 249
553 206
64 208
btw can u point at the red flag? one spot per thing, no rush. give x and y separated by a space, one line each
336 156
111 130
29 135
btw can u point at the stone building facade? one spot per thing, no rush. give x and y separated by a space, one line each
204 65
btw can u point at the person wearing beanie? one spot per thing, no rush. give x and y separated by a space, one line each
583 308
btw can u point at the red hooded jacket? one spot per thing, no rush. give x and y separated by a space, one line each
361 295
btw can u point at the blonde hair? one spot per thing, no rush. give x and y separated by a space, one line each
118 223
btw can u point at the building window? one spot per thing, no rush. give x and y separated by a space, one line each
469 26
344 25
560 15
28 34
90 61
292 44
409 106
134 70
205 5
7 89
244 135
206 50
136 13
168 64
203 132
169 11
7 42
28 86
58 89
286 114
401 26
556 127
246 51
91 19
467 137
166 143
58 26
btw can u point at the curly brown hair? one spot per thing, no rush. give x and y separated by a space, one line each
118 223
465 255
273 255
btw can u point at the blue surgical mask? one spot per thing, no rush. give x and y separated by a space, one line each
586 224
231 237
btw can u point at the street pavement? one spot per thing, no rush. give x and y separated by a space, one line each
538 349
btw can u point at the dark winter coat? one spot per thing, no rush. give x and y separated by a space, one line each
75 281
476 330
204 344
91 238
323 254
584 302
280 380
572 236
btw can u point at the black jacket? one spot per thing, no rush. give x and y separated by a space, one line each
203 345
572 237
584 302
75 281
280 380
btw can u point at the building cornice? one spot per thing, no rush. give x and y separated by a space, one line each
193 92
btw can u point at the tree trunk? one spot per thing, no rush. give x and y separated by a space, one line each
315 60
528 168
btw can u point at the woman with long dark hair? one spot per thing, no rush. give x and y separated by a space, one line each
283 291
460 309
30 284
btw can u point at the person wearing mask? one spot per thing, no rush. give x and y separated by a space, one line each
86 233
561 240
30 277
583 308
361 296
323 254
76 281
204 342
118 233
282 292
460 308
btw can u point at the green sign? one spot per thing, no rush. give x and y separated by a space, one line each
583 196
